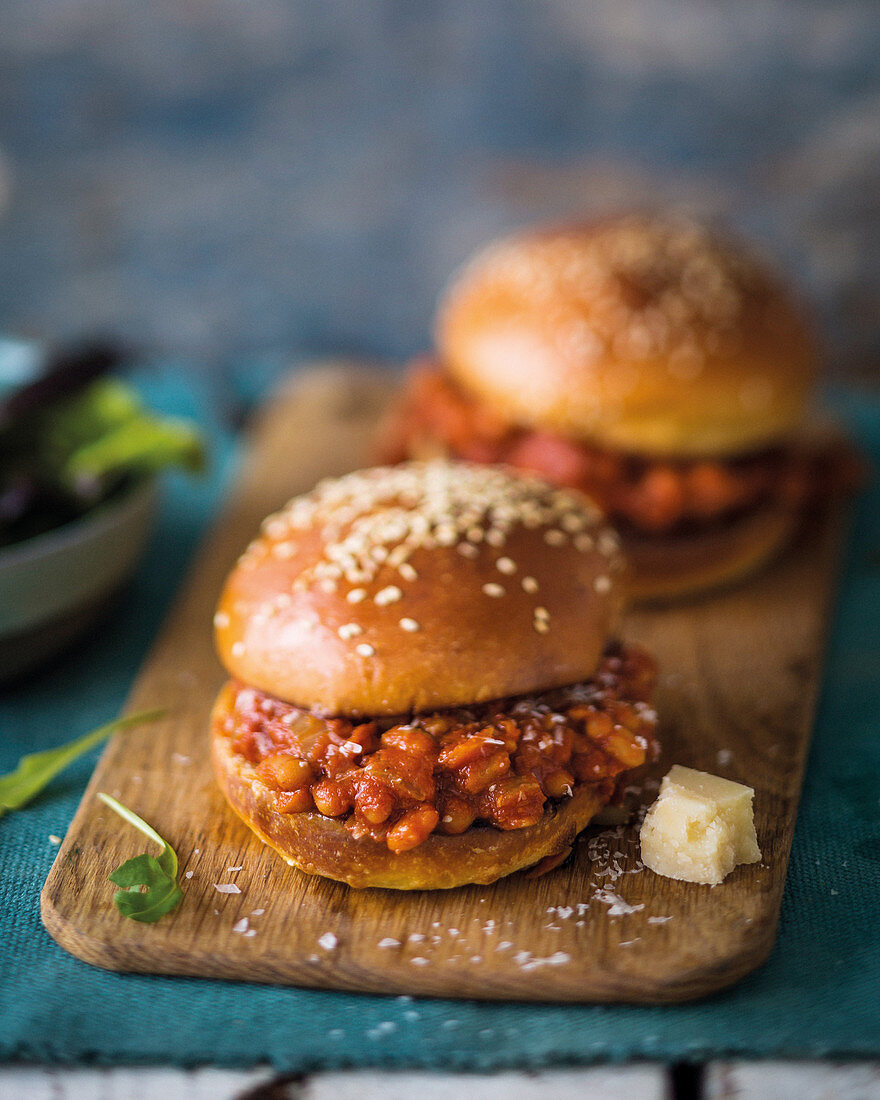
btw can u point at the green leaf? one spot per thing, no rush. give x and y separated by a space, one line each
35 770
149 884
143 444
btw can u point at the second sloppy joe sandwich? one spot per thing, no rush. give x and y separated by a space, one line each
426 686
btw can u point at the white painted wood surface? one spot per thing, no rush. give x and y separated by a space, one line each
646 1082
792 1081
722 1081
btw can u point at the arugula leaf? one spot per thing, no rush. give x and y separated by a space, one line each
35 770
149 884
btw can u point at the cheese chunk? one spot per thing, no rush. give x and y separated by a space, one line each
700 827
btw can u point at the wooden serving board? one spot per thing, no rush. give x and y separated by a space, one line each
740 675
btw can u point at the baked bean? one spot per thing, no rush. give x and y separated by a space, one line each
480 774
330 798
366 735
374 801
463 752
558 784
456 815
515 802
413 828
395 782
285 772
294 802
410 740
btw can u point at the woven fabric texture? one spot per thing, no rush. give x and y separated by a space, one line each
817 995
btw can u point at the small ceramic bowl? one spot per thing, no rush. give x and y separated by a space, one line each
54 585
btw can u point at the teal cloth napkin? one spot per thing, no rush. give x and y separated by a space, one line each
818 995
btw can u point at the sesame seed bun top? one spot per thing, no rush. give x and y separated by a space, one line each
421 586
644 333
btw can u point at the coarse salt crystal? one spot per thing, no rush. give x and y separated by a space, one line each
328 941
241 925
53 839
226 888
389 941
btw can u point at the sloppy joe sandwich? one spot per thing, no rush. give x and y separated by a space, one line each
426 685
656 366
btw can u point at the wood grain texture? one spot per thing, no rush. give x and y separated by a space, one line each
740 675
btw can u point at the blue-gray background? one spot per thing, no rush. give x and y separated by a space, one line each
255 181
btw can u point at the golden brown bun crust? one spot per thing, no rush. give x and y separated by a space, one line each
645 334
322 845
667 568
531 607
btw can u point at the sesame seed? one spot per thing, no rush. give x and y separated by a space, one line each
608 543
446 536
384 515
584 543
390 594
530 585
541 625
494 590
602 584
238 649
365 650
274 527
221 620
554 537
542 613
410 624
349 630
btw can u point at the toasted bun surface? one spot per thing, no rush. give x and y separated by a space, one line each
645 334
421 586
673 566
322 845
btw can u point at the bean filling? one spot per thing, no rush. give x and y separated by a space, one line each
498 763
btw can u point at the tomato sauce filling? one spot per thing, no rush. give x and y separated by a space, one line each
397 781
650 496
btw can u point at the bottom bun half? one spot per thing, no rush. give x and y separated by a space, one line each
320 845
670 567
